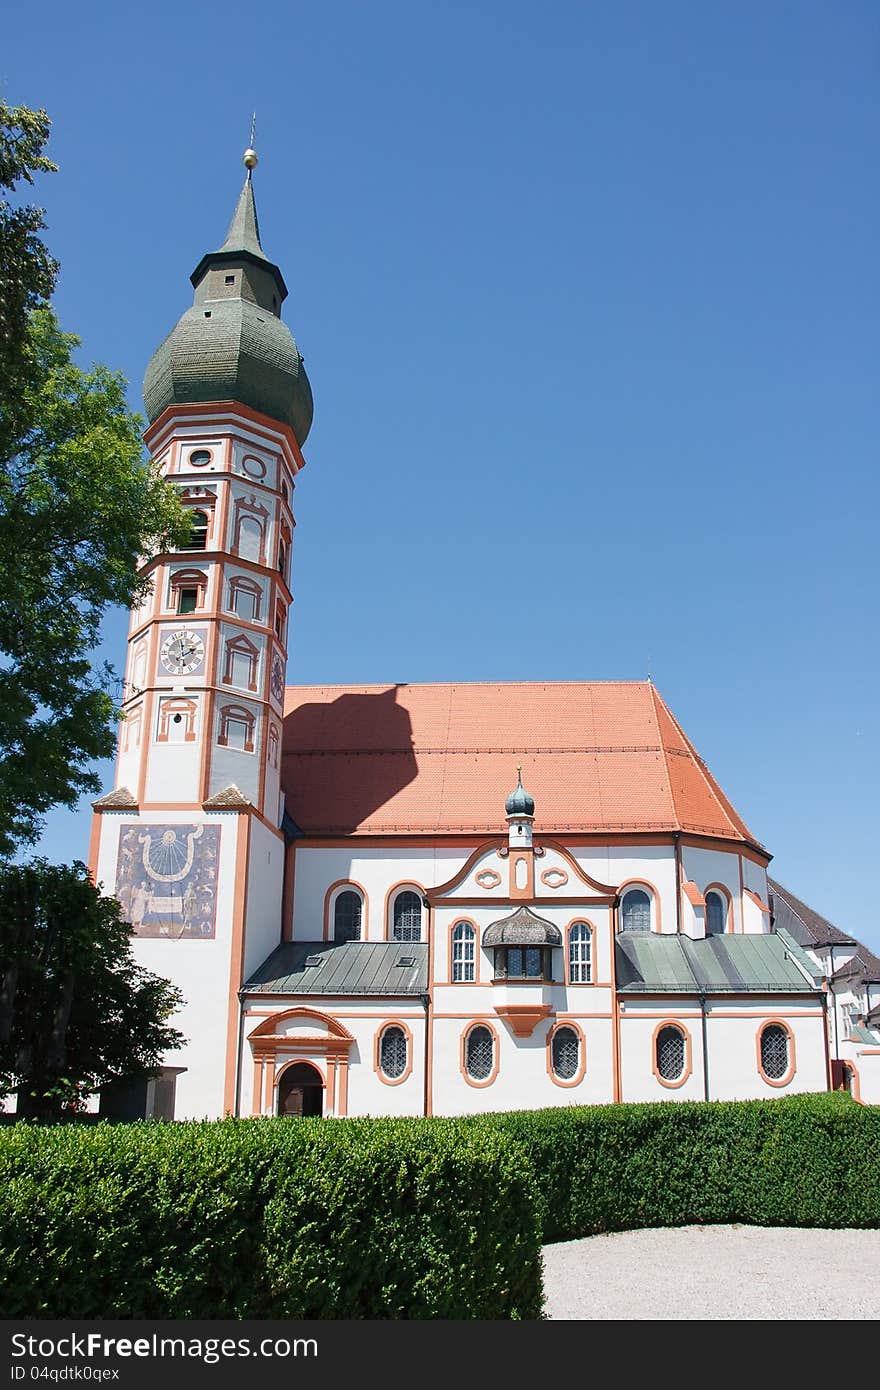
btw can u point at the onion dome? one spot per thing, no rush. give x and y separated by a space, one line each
522 928
232 345
519 803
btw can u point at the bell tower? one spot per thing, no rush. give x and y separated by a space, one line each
190 838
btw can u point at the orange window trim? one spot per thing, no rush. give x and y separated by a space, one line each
688 1058
377 1052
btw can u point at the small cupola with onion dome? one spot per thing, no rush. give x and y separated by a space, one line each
520 813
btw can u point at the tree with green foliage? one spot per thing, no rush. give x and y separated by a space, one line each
76 1011
79 507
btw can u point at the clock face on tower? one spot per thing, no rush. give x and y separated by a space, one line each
182 651
278 679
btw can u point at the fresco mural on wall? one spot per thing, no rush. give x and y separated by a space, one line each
166 879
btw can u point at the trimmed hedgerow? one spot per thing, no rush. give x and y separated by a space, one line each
809 1160
267 1219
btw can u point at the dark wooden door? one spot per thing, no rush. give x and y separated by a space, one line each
300 1092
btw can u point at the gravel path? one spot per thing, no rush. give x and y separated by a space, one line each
708 1272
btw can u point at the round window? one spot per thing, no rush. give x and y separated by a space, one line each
254 467
200 458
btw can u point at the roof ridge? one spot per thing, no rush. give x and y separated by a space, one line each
662 746
728 810
446 685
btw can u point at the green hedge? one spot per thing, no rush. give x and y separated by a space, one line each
811 1160
267 1219
398 1218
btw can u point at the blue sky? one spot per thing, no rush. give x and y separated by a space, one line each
588 298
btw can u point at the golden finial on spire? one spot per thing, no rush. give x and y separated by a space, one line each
251 159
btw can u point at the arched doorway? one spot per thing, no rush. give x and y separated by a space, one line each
301 1091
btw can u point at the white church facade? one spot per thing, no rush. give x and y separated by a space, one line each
368 910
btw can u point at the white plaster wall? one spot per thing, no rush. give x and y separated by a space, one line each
200 968
264 888
368 1094
639 1019
733 1048
376 870
173 768
243 449
232 766
755 878
652 865
522 1081
705 866
866 1062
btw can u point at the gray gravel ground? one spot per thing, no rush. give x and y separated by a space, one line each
707 1272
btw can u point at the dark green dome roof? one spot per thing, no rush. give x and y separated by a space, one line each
232 344
519 803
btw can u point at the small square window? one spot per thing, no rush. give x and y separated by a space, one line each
230 280
187 600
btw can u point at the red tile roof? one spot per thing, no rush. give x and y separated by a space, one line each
598 757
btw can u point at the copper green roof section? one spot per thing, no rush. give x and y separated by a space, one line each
232 345
365 968
650 963
244 229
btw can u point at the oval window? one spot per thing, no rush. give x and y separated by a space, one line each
774 1051
479 1053
199 458
670 1053
392 1053
566 1053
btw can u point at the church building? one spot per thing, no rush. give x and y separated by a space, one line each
407 899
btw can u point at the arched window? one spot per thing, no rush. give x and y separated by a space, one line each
237 728
479 1053
774 1052
407 917
347 916
187 590
671 1053
463 953
241 663
715 914
580 951
198 536
636 911
393 1052
565 1051
245 599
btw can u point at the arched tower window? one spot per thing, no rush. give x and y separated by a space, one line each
636 911
407 917
198 536
187 590
348 911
